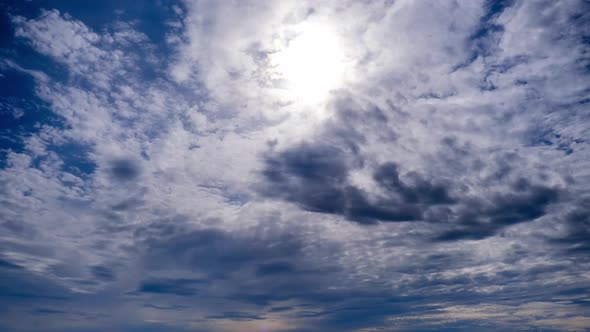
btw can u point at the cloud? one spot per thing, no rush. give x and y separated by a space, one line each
103 273
159 176
275 268
181 287
317 177
123 169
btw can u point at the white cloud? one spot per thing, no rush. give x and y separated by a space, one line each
184 152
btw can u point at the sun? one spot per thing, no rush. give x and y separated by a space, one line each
311 63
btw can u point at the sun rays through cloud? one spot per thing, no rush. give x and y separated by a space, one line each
311 63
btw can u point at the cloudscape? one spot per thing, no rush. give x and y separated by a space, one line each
294 165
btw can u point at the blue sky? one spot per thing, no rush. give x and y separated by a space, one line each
294 166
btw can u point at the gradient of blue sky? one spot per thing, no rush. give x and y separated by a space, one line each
153 179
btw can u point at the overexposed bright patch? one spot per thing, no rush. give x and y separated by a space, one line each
311 64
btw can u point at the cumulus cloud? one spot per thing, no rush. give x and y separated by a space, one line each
163 176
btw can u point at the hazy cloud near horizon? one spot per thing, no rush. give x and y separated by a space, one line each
295 166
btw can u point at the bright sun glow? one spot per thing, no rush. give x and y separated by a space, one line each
311 64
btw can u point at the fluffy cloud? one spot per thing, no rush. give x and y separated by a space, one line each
174 182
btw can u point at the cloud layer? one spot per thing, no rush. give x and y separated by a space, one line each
157 175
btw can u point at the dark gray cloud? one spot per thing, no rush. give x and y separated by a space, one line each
102 273
317 177
8 265
275 268
576 238
417 190
181 287
219 253
479 218
125 169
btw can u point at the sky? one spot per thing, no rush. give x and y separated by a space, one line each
294 166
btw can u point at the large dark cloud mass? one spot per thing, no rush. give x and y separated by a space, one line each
358 166
316 176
